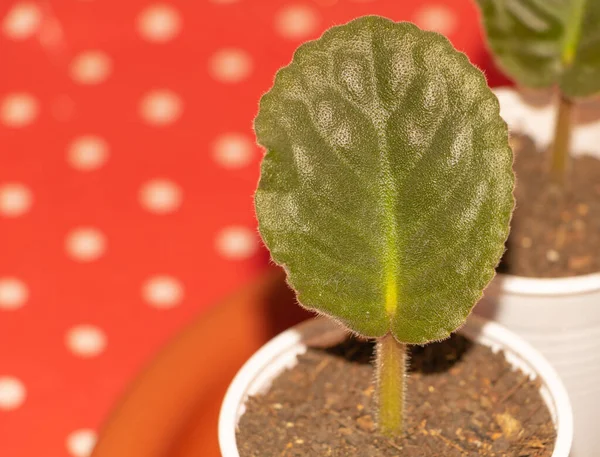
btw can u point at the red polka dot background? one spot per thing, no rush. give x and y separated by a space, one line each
127 168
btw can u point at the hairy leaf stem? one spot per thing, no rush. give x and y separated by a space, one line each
391 370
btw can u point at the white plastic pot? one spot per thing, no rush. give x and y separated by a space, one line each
280 353
560 317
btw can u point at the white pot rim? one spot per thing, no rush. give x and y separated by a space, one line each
572 285
486 332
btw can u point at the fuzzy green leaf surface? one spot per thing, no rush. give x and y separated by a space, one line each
541 43
386 187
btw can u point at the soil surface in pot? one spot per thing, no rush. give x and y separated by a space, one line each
553 233
462 400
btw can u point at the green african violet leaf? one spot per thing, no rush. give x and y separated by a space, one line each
386 188
540 43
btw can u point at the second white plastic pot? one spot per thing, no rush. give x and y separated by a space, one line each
280 353
559 316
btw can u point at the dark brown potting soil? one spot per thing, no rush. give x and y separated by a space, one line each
555 232
462 400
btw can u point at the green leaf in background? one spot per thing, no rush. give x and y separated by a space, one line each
540 43
386 188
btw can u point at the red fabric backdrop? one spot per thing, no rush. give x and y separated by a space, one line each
127 167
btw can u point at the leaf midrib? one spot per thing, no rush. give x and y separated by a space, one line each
388 190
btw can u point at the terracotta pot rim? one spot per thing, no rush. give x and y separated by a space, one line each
281 352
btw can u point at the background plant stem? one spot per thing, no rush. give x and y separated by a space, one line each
562 140
391 370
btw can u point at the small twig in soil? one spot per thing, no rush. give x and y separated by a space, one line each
447 441
319 368
394 445
530 415
513 390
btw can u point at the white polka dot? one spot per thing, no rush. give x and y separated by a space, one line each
15 199
86 340
22 21
237 242
233 150
91 67
159 23
161 107
296 22
12 393
230 65
437 18
160 196
18 109
13 293
85 244
162 292
81 443
87 152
